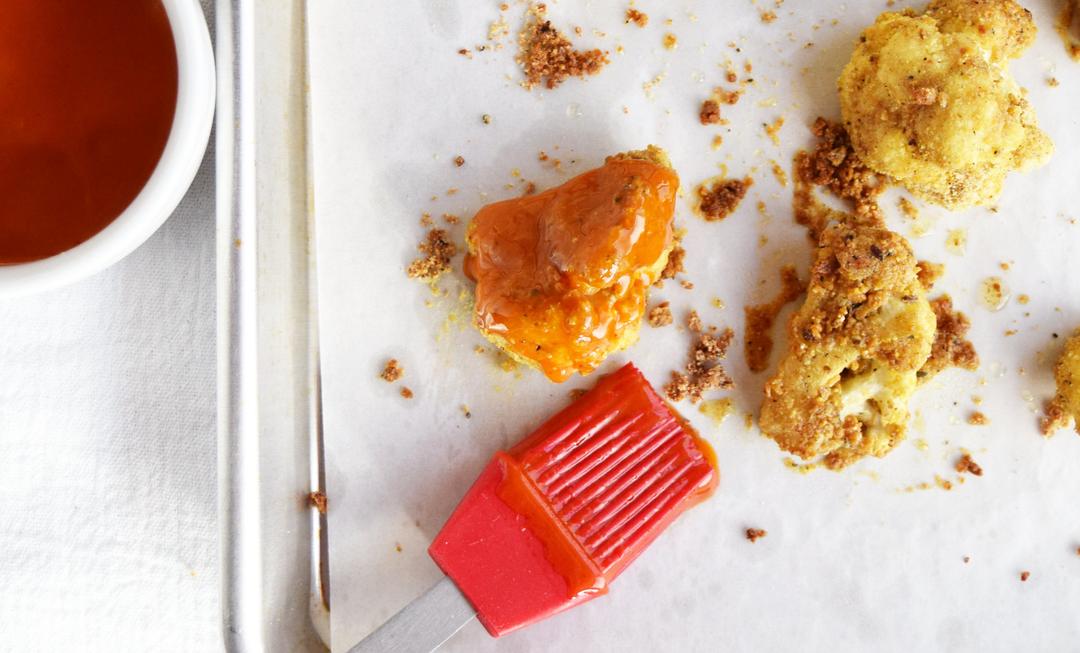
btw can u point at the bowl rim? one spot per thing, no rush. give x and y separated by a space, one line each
172 176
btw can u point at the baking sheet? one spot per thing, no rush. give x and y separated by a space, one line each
852 559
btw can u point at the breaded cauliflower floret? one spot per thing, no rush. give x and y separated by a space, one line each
927 100
1065 406
866 328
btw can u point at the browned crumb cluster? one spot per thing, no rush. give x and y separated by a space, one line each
437 250
710 112
1024 575
951 347
660 315
719 199
754 534
966 465
636 17
703 369
459 161
406 392
834 165
758 342
675 263
317 500
977 418
392 371
768 16
548 57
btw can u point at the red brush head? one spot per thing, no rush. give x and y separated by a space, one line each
551 522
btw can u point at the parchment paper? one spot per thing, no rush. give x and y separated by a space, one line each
852 560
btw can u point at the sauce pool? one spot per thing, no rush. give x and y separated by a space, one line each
88 99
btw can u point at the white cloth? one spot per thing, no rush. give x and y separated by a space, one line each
108 508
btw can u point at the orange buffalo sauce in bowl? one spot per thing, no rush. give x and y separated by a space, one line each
562 277
88 93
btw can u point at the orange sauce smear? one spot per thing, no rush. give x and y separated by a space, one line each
562 276
89 94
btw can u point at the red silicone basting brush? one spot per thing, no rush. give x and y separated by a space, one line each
549 524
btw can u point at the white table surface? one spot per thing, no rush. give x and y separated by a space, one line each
108 476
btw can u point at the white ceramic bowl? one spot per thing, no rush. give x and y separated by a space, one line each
167 184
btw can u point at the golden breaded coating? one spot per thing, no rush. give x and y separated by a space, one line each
1065 406
927 100
855 347
1002 27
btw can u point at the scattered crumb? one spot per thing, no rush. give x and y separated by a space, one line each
965 464
757 338
967 559
425 220
636 17
1024 575
465 411
977 418
834 165
486 119
717 141
459 161
660 315
438 251
693 321
1023 299
703 370
951 348
956 241
1052 82
754 534
465 53
577 393
802 468
317 500
397 547
670 41
993 293
908 209
686 284
773 130
406 392
718 200
768 16
480 349
529 188
717 303
779 173
548 57
710 112
450 218
716 409
392 371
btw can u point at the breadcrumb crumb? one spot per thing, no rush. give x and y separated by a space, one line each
965 464
719 199
406 392
437 253
660 315
548 57
754 534
317 500
392 371
636 17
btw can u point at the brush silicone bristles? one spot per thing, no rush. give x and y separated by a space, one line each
552 522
